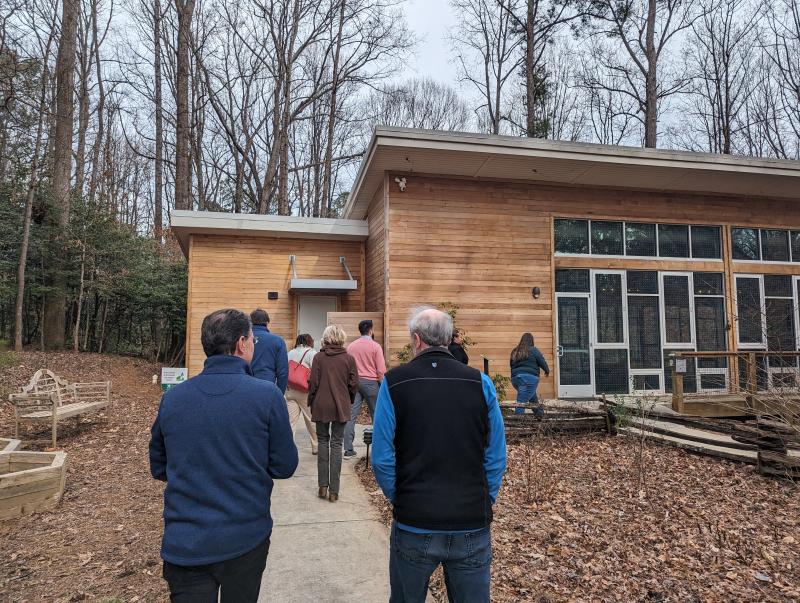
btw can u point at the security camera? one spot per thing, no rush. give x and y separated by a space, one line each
401 182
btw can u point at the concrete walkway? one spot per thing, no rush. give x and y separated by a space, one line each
322 551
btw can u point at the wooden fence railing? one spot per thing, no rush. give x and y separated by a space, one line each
747 376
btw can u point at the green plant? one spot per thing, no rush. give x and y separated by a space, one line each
501 383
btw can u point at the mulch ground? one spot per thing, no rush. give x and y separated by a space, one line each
594 518
578 519
102 542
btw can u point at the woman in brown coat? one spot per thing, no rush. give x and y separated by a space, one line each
332 388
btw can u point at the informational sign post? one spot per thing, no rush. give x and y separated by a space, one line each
171 376
680 365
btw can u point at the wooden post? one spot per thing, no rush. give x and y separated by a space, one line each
55 419
677 391
752 379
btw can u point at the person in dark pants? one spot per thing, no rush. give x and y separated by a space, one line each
439 454
219 440
332 388
456 347
371 366
270 359
526 363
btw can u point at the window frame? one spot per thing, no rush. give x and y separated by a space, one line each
625 256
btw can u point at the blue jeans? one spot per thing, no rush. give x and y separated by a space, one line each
466 557
526 385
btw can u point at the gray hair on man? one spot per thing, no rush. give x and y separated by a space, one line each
433 326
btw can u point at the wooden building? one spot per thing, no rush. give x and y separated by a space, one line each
613 257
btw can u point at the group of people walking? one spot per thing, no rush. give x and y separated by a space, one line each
221 438
332 386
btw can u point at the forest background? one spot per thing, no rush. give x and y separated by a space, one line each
114 112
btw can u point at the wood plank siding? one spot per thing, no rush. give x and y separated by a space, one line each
229 271
375 248
485 244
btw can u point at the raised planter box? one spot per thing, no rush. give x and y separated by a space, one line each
30 482
9 445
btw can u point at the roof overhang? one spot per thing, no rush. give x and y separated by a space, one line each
510 158
186 223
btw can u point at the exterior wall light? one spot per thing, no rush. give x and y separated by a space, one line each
536 292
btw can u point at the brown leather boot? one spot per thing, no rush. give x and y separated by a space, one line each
323 492
333 497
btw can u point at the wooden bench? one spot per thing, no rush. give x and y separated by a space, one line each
49 399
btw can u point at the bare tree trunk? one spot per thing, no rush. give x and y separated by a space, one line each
101 106
29 197
651 81
102 327
158 217
326 182
530 70
182 159
62 169
77 331
86 55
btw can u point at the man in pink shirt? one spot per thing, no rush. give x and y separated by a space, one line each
371 367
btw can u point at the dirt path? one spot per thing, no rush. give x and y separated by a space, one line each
102 543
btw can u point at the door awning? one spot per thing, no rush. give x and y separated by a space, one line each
321 285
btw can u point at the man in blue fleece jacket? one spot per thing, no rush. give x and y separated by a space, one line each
439 454
218 441
270 359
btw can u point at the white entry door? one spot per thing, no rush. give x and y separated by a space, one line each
312 316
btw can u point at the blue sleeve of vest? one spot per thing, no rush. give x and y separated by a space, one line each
282 367
383 457
494 458
158 451
282 451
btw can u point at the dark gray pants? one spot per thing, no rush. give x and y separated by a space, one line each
329 458
367 391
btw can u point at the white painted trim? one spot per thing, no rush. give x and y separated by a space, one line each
186 223
314 284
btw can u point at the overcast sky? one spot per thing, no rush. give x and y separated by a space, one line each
430 21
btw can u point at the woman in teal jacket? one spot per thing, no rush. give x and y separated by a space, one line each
526 363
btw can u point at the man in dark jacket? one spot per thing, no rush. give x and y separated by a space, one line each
439 454
219 441
270 359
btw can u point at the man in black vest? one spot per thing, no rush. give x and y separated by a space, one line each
439 454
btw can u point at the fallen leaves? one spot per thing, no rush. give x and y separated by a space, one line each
572 523
102 542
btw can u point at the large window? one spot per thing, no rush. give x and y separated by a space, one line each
607 238
765 244
706 242
749 311
673 241
636 239
640 239
572 236
631 321
608 293
677 309
644 324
